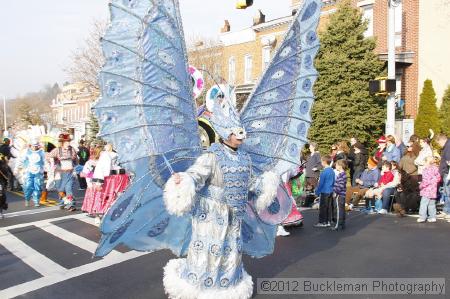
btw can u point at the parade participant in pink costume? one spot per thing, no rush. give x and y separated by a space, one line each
295 217
92 195
109 179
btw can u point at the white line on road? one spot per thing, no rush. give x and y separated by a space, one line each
30 212
45 281
51 271
43 222
88 220
31 257
74 239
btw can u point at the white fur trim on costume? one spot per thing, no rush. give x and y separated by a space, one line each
179 198
268 186
178 288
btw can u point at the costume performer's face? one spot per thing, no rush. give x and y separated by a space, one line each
66 144
234 142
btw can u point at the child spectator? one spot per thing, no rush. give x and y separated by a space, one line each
325 191
386 177
428 191
367 180
389 189
339 189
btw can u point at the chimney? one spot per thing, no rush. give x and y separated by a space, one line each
226 27
259 18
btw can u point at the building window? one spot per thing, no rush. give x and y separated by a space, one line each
266 56
232 70
398 24
367 11
248 65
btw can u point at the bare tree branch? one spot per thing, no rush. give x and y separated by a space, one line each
87 60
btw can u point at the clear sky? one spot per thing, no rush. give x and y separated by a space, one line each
38 36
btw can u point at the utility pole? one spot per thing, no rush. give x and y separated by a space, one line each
390 120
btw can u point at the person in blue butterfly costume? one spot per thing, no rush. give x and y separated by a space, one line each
224 179
211 206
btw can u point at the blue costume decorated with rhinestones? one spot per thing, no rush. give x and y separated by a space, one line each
214 255
228 201
33 164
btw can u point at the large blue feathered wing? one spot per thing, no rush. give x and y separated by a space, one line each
277 118
277 114
146 110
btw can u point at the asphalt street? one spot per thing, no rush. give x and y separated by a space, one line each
49 255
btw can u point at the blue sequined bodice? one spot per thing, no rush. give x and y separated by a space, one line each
235 168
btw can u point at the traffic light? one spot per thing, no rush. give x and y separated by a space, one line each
382 86
243 4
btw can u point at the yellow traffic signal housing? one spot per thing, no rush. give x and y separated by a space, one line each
382 86
243 4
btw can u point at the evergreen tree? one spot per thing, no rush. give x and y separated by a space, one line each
346 62
92 129
444 112
427 117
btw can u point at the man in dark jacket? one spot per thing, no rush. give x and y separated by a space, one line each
312 167
5 148
5 151
83 157
444 143
355 166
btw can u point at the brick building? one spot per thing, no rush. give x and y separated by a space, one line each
422 45
72 107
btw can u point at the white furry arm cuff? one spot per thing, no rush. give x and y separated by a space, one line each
179 198
267 186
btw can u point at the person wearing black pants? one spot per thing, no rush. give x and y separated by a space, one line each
83 157
340 189
325 190
338 207
325 210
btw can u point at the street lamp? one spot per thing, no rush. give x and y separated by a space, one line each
4 112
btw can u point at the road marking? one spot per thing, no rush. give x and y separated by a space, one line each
44 222
46 281
88 220
74 239
52 272
30 212
29 256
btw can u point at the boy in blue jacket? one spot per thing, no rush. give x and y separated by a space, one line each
325 191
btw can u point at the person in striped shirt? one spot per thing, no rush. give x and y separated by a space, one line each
339 190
